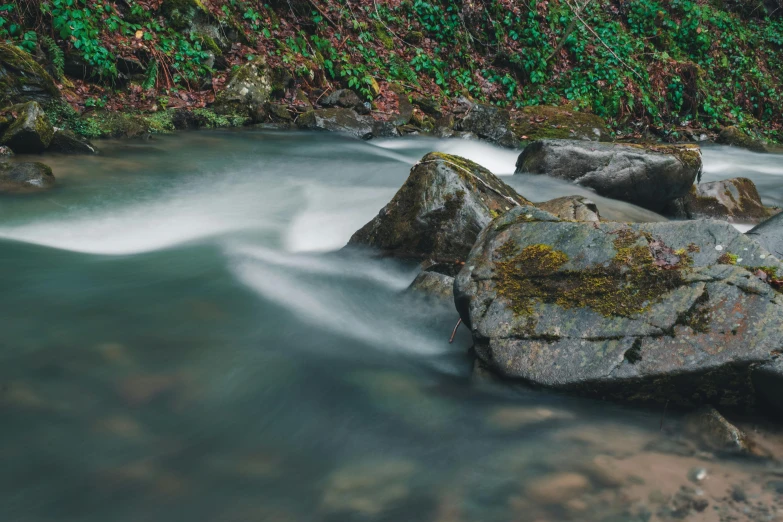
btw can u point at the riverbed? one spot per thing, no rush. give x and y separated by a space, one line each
184 341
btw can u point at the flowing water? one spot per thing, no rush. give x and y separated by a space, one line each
181 341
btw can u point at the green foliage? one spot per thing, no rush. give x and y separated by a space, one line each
55 54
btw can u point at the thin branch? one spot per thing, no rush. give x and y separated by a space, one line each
454 332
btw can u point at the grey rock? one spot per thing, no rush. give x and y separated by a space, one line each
248 88
649 176
347 99
489 123
769 234
25 177
66 142
734 200
439 211
433 284
649 312
31 131
5 152
338 120
572 208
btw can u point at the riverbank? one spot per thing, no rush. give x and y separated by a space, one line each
649 70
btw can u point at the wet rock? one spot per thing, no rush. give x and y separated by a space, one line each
715 433
66 142
735 137
25 177
649 312
278 112
338 120
734 200
368 489
433 284
22 79
30 132
5 152
543 122
489 123
248 88
384 129
572 208
649 176
347 99
404 106
439 211
769 234
558 488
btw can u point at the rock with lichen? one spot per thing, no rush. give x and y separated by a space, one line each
769 234
541 122
650 176
489 123
248 88
653 312
31 131
346 121
22 79
25 177
715 433
734 200
572 208
439 211
347 99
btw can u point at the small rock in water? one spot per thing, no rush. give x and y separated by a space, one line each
715 433
369 488
558 488
515 417
434 285
697 475
738 494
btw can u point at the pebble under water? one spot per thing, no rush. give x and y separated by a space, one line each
182 341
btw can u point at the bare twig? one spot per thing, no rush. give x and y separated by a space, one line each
663 415
454 332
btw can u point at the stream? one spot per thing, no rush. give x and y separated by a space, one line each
183 341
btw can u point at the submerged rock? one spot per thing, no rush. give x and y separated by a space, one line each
769 234
650 312
734 200
439 211
25 177
543 122
22 79
433 284
572 208
338 120
650 176
31 131
66 142
715 433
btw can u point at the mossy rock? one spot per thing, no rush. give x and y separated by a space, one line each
439 211
542 122
31 132
735 137
636 312
22 79
248 88
66 142
182 13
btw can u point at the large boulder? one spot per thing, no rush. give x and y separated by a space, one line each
734 200
543 122
342 120
651 312
31 131
736 138
23 79
489 123
650 176
25 177
769 234
439 211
